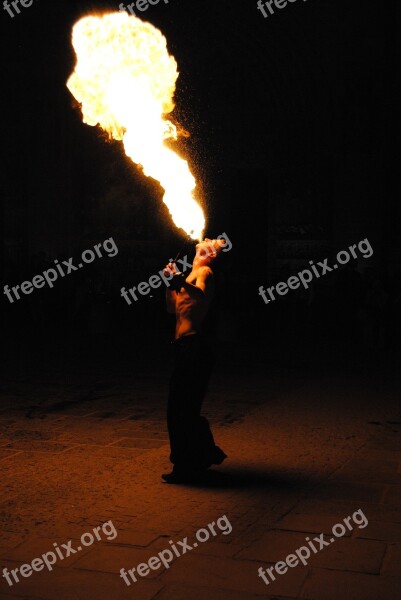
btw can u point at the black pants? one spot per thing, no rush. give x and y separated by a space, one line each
191 441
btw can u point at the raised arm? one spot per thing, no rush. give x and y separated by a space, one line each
171 295
204 285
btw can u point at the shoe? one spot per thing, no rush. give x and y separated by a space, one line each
173 478
180 476
218 456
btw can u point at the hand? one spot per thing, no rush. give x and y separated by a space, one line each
168 269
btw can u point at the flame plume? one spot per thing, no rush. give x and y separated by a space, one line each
125 80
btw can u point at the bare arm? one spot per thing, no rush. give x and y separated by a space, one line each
204 285
170 294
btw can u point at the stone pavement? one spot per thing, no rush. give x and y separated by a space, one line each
303 455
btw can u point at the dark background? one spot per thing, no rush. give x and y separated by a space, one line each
291 120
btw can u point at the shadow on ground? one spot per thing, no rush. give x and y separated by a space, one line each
243 477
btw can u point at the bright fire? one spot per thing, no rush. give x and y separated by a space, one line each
125 80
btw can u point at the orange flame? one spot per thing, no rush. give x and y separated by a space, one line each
125 80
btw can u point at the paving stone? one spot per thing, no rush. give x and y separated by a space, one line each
110 415
388 532
392 561
332 585
308 523
76 530
106 451
379 455
7 541
134 537
363 492
143 433
183 592
238 575
5 596
218 549
36 547
143 424
43 434
138 443
111 559
348 554
88 439
342 508
74 584
86 486
393 495
389 444
38 446
366 475
8 453
377 464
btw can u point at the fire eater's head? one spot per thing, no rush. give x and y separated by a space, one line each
209 250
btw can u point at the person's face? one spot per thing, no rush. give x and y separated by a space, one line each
206 250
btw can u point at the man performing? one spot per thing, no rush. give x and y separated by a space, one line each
192 445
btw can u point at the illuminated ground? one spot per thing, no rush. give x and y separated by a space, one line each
304 453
